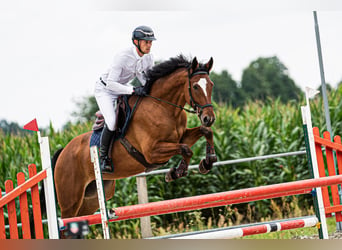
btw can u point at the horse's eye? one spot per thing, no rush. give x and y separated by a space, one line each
195 87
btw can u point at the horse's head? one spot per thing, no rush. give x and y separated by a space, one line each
199 89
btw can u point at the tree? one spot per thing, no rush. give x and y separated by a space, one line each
11 127
86 109
226 90
268 77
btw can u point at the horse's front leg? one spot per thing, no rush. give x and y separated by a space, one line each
192 135
164 151
182 169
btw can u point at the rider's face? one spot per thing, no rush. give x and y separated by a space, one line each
145 46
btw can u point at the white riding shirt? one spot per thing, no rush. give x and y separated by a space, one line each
126 65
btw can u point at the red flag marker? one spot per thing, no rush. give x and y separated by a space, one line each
32 125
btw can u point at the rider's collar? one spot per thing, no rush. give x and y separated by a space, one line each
135 52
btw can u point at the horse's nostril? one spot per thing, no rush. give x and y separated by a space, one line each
207 120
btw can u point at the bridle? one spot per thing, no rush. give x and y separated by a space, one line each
193 104
197 108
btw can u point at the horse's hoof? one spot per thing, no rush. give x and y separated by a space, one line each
204 168
212 158
176 173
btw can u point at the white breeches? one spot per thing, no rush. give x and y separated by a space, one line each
107 104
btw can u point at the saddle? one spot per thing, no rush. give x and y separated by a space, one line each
123 115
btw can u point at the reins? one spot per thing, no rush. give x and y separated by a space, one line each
172 104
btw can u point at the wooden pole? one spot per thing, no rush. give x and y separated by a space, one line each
145 222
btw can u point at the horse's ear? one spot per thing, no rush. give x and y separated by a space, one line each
209 64
194 64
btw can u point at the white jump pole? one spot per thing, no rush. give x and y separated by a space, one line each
306 116
100 192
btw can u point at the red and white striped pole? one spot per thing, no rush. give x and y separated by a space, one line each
213 200
237 232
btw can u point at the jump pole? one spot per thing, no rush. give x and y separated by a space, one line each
245 230
214 200
311 151
100 193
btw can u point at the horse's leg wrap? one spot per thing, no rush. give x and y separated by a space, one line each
206 164
175 173
210 154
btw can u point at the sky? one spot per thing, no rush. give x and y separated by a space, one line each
52 54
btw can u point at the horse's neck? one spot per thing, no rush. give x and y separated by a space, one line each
170 90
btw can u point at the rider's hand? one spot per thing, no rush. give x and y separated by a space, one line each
139 91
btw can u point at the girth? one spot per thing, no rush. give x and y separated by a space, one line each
139 156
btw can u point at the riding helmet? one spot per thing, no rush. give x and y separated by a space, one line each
143 33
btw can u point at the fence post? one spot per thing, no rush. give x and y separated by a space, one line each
49 188
324 95
310 146
145 222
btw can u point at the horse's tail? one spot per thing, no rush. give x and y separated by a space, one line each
42 191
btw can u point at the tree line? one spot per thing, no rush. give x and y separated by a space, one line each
263 78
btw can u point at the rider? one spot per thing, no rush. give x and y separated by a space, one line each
128 64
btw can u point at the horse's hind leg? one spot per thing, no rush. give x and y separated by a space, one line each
69 197
90 203
72 206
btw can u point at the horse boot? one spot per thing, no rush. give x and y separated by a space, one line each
175 173
105 161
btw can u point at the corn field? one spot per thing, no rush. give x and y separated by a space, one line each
255 130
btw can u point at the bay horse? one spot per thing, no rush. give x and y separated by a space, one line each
158 130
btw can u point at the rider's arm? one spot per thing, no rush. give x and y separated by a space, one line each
114 85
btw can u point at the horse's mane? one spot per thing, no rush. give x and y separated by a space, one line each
165 68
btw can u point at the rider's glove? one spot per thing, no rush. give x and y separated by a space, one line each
139 91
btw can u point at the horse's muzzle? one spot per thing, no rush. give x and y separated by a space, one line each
207 120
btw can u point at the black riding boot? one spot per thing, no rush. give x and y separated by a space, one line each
105 160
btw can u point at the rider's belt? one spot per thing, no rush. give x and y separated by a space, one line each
105 84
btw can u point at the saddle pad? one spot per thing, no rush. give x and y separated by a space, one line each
95 138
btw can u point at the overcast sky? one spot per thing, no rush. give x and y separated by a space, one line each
51 56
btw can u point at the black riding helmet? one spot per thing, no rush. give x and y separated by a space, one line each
142 33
